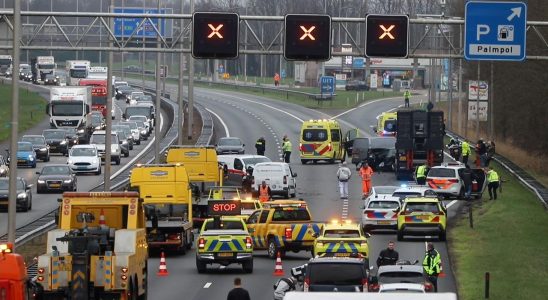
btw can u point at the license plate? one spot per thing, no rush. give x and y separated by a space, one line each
424 217
21 160
403 158
55 185
52 147
82 168
342 254
383 222
225 254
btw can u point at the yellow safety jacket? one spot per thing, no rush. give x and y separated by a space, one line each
492 176
465 149
286 147
421 170
432 263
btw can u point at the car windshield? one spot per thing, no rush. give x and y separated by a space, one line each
144 98
230 142
255 160
315 135
291 214
96 120
55 170
125 88
78 73
268 168
67 109
401 277
137 111
390 125
132 125
385 190
441 172
35 140
383 205
100 139
4 184
140 124
70 131
83 152
54 134
138 118
50 76
24 147
346 274
431 207
225 224
341 233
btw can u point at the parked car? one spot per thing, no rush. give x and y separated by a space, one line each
56 177
84 158
24 194
39 145
446 180
230 145
380 152
26 156
356 85
57 140
404 276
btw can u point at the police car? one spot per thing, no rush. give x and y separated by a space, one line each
341 239
422 216
381 213
413 191
446 180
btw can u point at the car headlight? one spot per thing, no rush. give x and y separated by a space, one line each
67 181
95 161
31 157
81 131
143 132
63 142
124 142
43 149
21 196
41 181
69 162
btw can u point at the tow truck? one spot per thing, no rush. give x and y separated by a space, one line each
419 141
14 282
98 251
167 198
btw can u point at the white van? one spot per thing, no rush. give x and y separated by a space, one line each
98 139
278 175
370 296
236 164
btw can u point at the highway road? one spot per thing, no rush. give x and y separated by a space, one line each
250 117
45 203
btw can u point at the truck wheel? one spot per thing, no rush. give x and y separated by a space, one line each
126 154
248 266
145 284
400 236
443 236
272 249
201 266
118 161
190 240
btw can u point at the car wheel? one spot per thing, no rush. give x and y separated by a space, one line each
126 154
293 195
201 266
248 266
461 194
39 191
47 158
400 235
26 208
443 236
272 249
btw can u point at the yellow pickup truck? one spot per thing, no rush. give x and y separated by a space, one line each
283 225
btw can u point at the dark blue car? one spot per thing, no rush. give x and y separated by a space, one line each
26 156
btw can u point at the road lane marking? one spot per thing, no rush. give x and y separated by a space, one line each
207 285
451 203
221 120
362 105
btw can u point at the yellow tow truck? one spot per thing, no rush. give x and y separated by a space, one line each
167 199
98 251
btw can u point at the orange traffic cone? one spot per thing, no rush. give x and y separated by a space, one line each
442 274
102 222
162 269
278 270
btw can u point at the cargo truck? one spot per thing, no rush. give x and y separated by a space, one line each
77 70
69 108
41 66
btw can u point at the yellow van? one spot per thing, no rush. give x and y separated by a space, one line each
386 124
321 140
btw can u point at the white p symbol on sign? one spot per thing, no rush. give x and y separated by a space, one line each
481 29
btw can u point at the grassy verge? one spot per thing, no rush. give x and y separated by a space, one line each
509 240
343 99
31 110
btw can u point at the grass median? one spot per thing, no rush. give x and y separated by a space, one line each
342 100
31 110
509 240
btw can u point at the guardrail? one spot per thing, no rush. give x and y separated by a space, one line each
529 181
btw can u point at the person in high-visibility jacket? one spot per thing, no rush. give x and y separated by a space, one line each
492 183
432 265
420 174
406 96
366 173
465 152
286 148
265 193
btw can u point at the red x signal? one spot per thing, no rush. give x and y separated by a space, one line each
215 31
386 32
307 33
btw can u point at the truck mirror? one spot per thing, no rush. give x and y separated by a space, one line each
47 109
87 109
123 115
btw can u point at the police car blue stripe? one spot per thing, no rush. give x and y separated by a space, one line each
316 228
212 245
225 246
330 247
353 248
302 232
237 244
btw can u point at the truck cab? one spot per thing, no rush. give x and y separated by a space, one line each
14 283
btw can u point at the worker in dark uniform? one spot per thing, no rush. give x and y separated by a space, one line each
260 145
388 256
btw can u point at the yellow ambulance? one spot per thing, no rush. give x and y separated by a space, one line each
321 140
386 124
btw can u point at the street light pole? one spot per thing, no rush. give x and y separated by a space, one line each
158 103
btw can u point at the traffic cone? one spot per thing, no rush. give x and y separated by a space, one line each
442 274
278 269
162 269
102 223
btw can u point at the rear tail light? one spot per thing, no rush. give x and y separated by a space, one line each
306 284
40 278
374 287
454 180
248 242
41 271
201 243
288 233
285 179
365 285
301 148
330 147
428 286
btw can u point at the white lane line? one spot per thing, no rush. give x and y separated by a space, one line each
207 285
220 120
451 203
362 105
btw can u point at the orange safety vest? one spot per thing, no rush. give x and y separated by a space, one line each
276 77
263 193
366 173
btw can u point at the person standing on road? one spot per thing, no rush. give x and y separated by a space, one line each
286 149
260 145
432 265
366 173
420 174
388 256
465 152
265 193
238 292
490 152
492 183
343 175
466 176
406 96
